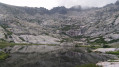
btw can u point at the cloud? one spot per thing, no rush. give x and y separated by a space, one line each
89 3
53 3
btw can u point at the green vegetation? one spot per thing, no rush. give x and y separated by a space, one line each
5 44
46 33
113 52
112 41
5 28
77 45
106 46
88 65
66 28
79 37
98 41
77 50
89 50
21 38
34 20
95 46
8 33
66 40
73 38
3 55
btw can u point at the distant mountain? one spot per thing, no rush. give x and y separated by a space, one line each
60 37
60 10
42 10
117 3
76 8
59 22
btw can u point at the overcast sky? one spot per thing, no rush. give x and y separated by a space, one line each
53 3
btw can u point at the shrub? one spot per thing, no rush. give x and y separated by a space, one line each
3 55
106 46
77 45
89 50
66 28
77 50
99 41
113 52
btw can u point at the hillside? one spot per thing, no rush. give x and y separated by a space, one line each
60 35
23 23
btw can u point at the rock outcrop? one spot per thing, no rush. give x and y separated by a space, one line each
40 39
31 23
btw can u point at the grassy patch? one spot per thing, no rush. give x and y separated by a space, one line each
95 46
8 33
106 46
66 40
5 28
5 44
77 45
3 56
113 41
99 41
113 52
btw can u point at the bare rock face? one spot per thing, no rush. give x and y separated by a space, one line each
1 50
116 21
2 32
104 50
40 39
112 36
109 64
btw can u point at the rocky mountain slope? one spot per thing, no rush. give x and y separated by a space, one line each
29 25
36 37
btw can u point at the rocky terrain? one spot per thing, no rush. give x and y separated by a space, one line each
109 64
30 25
22 24
60 37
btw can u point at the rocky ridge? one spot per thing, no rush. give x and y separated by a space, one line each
56 35
93 22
